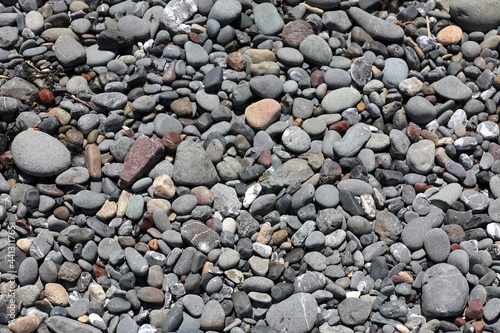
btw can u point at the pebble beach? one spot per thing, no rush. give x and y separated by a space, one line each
249 166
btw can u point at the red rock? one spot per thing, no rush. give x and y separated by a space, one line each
475 309
236 61
340 126
397 279
265 158
431 98
6 160
317 78
454 247
413 132
49 189
421 187
23 224
62 213
147 221
169 75
99 271
459 322
295 32
171 141
46 97
193 36
93 161
142 156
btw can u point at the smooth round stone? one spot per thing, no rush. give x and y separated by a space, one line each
444 292
228 259
225 11
420 110
290 56
459 259
354 311
34 21
327 196
69 52
184 204
352 142
144 104
212 317
302 108
449 35
196 55
28 271
267 19
437 245
39 154
451 87
471 17
337 78
489 130
395 71
340 99
72 176
89 200
316 50
470 50
296 140
420 156
135 26
336 21
414 232
267 86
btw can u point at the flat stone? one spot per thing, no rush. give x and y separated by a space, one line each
340 99
451 87
378 28
297 313
140 159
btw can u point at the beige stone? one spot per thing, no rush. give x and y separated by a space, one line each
157 203
107 211
123 203
260 55
263 113
163 187
449 35
56 294
26 324
96 292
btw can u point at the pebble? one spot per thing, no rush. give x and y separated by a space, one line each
219 165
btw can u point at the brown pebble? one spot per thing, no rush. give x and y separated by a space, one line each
279 237
265 158
62 115
203 195
6 160
182 108
449 35
295 32
340 126
74 140
62 213
46 97
236 61
171 141
93 161
413 132
263 113
317 78
478 326
146 221
475 309
56 294
26 324
459 322
169 75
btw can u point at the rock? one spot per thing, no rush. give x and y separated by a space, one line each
420 110
192 166
353 311
444 291
437 245
420 156
316 50
25 324
69 52
225 11
379 29
140 159
340 99
63 324
475 18
352 142
284 316
451 87
179 11
295 32
263 113
212 317
267 19
449 35
200 236
395 71
39 154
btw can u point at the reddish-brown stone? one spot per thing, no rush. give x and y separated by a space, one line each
203 195
49 189
171 141
236 61
23 224
340 126
193 36
7 160
317 78
494 150
142 156
422 187
478 326
475 309
147 221
169 75
265 158
93 161
46 97
295 32
454 247
62 213
98 271
459 322
413 132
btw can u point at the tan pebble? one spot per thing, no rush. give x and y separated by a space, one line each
406 277
163 187
96 292
279 237
106 159
162 204
260 55
402 329
263 113
236 61
449 35
56 294
198 28
107 211
24 245
26 324
93 161
234 275
182 108
265 234
100 138
123 203
206 267
11 182
62 115
92 136
83 319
